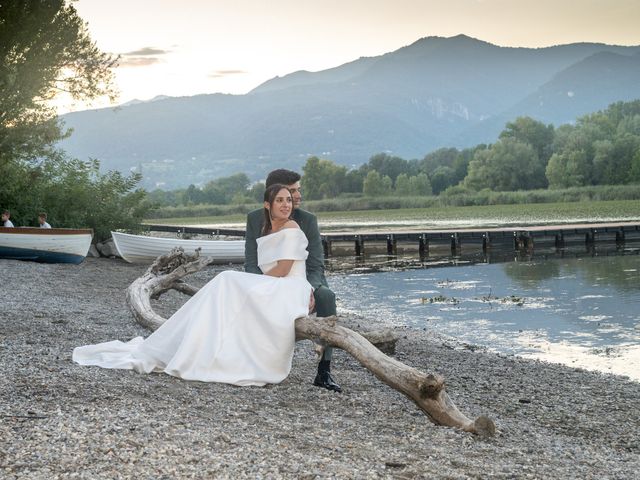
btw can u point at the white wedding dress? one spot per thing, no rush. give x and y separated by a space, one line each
238 329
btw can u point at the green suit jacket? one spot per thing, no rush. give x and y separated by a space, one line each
308 224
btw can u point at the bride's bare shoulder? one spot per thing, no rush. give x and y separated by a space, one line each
291 224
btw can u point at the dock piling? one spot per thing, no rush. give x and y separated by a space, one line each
523 241
423 245
455 244
326 247
392 245
486 242
359 244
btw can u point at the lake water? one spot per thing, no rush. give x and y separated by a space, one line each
580 308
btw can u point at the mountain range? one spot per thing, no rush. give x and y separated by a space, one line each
436 92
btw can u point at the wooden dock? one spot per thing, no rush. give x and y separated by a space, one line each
516 238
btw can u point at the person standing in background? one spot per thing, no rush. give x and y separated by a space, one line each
6 214
42 220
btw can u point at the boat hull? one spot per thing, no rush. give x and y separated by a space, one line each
144 249
55 245
39 255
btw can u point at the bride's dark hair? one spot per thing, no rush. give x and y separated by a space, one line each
270 195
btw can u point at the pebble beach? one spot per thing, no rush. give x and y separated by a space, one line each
59 420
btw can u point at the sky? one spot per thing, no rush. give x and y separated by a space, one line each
192 47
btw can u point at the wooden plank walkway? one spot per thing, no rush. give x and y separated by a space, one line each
517 238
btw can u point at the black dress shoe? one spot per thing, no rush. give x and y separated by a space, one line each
324 380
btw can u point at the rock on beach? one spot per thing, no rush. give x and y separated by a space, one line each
61 420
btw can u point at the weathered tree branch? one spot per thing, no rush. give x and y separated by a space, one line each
164 274
426 390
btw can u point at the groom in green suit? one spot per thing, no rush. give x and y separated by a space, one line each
325 299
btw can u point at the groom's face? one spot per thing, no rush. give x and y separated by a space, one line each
296 194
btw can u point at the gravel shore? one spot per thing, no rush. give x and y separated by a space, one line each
61 420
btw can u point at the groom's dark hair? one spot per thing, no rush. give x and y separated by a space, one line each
282 176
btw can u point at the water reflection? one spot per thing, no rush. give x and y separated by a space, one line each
580 307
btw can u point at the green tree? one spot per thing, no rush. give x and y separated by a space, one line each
442 178
443 157
375 185
569 169
241 198
447 166
353 181
391 166
311 176
45 49
507 165
221 191
164 198
256 192
322 179
535 133
612 159
193 196
403 185
461 163
387 186
629 124
634 174
75 193
420 185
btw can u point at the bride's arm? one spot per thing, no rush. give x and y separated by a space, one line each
282 269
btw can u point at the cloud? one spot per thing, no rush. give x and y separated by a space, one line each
138 61
226 73
145 52
143 57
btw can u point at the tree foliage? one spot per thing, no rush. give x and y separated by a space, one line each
322 179
599 150
45 49
415 186
376 185
222 190
532 132
569 169
506 165
75 194
234 189
442 178
446 167
391 166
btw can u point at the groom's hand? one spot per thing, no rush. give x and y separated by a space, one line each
312 303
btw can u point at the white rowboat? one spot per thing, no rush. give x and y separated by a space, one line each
143 249
48 245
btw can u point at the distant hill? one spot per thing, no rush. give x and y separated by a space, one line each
433 93
582 88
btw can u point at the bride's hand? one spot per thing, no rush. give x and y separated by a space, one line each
312 303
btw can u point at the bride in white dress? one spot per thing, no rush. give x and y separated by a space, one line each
239 328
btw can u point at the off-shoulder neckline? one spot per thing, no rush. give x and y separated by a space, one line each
280 231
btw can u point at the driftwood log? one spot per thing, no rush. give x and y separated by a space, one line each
426 390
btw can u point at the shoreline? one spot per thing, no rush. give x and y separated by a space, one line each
58 418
